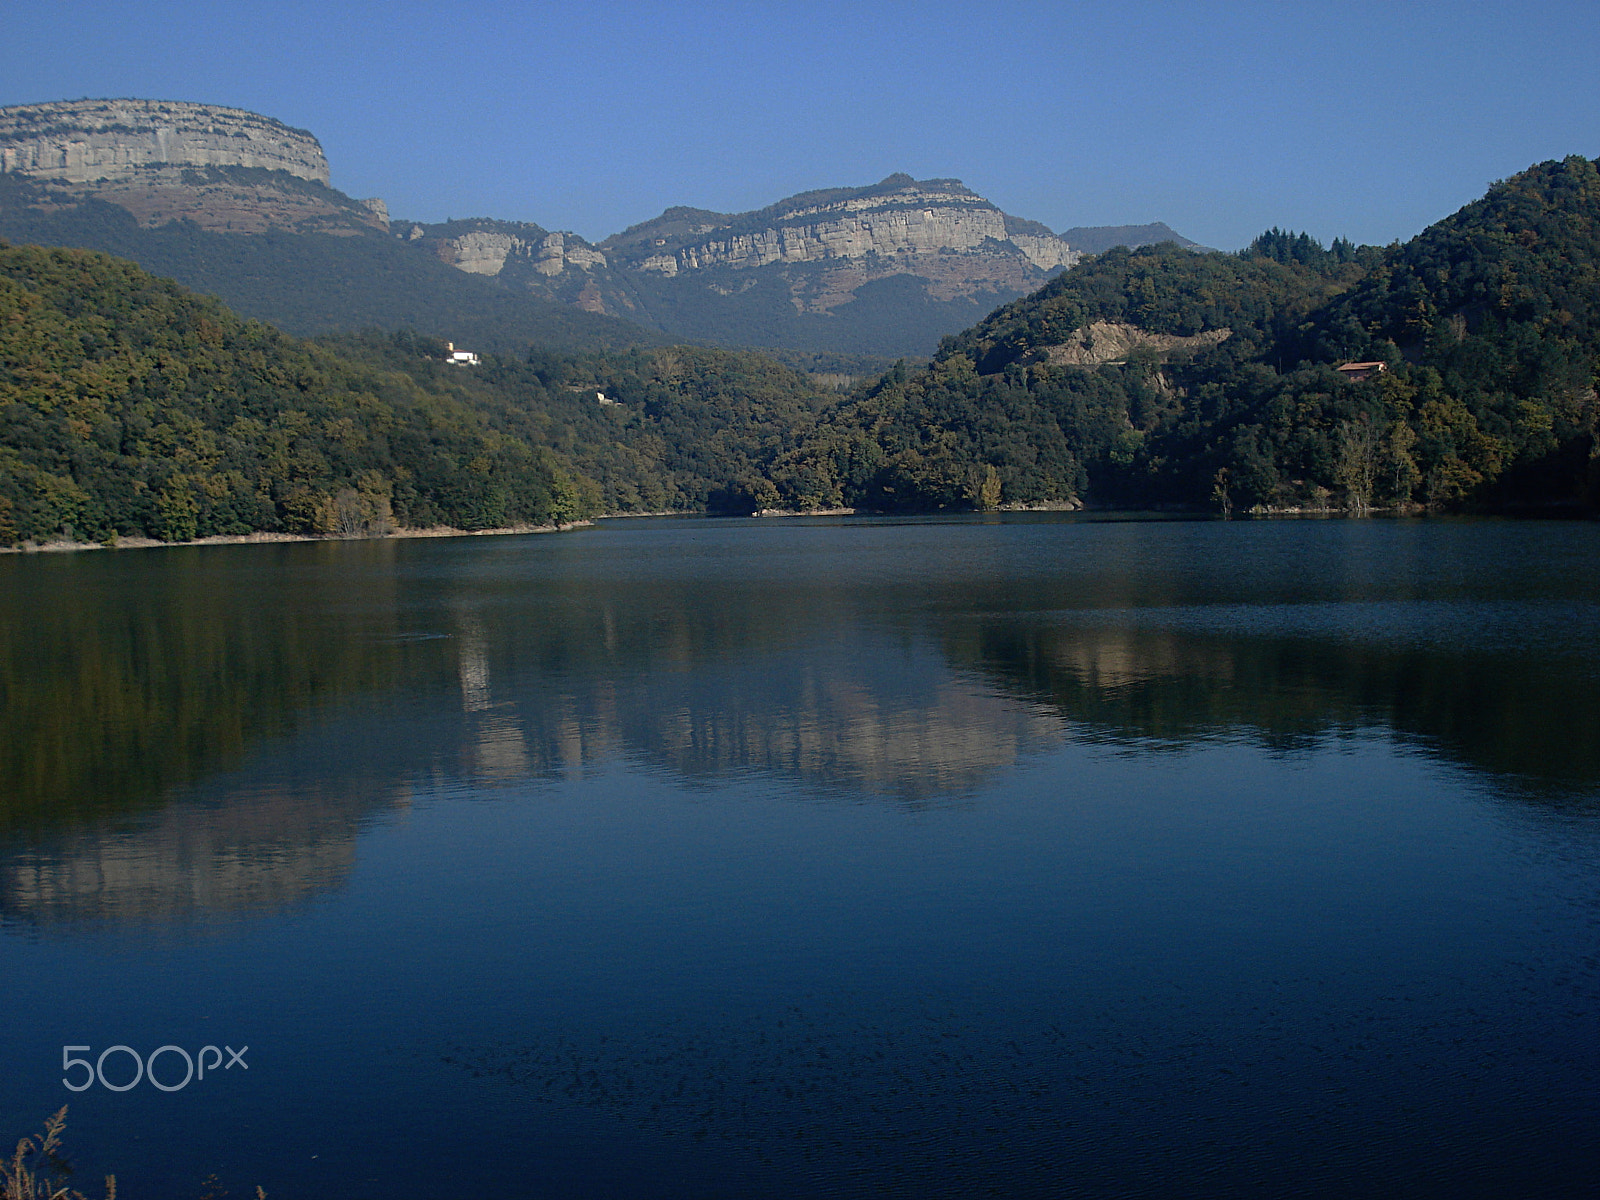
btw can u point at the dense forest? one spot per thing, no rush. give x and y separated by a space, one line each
131 407
653 429
1153 377
1224 390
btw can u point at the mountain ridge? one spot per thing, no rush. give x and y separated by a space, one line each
800 273
882 270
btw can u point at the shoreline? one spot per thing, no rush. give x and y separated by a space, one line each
265 536
447 531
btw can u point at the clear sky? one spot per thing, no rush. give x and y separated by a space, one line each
1366 120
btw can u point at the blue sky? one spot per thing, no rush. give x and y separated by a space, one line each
1356 119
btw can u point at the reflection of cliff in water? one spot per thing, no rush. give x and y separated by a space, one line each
256 842
876 722
709 682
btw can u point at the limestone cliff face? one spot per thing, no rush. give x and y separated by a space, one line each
934 244
555 266
481 252
224 169
916 222
827 245
1046 253
487 246
82 141
899 218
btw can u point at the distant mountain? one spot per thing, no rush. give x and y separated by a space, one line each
1097 239
886 269
841 273
238 205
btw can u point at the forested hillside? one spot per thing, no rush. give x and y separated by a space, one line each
131 407
1161 376
680 428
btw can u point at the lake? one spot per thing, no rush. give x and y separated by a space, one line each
1025 855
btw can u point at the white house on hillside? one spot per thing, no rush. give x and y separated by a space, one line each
461 358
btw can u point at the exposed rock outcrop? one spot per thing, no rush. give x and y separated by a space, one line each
481 252
1046 253
485 248
82 141
1110 342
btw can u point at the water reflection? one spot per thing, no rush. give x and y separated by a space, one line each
261 856
1528 720
198 730
262 839
124 677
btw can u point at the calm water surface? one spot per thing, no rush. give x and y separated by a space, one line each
1038 856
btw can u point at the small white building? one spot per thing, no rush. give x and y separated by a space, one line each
460 358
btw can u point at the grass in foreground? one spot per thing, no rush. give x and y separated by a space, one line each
34 1172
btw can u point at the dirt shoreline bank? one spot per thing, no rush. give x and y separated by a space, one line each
245 539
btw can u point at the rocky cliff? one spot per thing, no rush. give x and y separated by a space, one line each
914 259
897 218
81 141
224 169
554 266
485 248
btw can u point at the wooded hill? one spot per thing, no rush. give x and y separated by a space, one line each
129 406
1159 376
